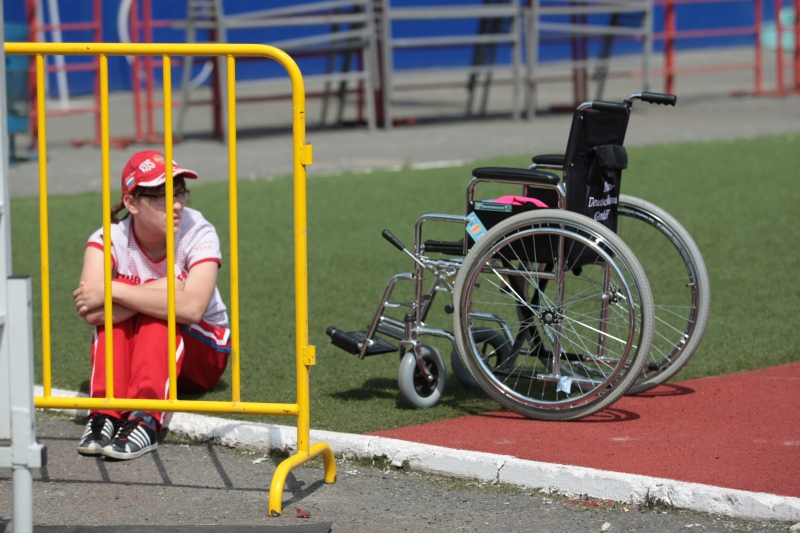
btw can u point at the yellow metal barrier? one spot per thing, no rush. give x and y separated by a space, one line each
302 156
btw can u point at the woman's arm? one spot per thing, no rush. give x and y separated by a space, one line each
93 312
97 317
191 302
191 297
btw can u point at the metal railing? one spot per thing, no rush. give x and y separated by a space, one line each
302 156
499 23
671 36
341 29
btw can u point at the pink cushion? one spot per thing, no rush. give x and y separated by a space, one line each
519 200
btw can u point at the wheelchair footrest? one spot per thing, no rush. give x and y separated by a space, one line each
348 341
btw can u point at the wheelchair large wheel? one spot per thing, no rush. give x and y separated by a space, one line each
679 283
576 303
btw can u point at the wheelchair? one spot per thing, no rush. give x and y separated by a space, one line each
554 312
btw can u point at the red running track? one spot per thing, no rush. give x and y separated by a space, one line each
740 431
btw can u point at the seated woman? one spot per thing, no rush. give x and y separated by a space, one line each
139 296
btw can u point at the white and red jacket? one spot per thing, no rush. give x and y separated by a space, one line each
195 242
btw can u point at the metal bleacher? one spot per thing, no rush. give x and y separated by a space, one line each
341 29
362 39
499 24
577 25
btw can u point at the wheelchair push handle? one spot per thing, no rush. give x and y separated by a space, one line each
609 107
659 98
652 98
389 236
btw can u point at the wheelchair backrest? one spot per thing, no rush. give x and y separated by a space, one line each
593 164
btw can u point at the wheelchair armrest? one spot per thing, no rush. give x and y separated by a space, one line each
549 159
522 175
445 247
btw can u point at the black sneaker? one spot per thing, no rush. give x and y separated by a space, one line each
135 437
99 432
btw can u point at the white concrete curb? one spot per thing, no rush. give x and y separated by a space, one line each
563 479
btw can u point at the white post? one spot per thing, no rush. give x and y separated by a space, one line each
5 409
26 453
17 413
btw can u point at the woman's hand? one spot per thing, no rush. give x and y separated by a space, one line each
88 296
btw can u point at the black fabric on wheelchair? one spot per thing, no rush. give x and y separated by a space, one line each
516 174
593 164
549 159
592 167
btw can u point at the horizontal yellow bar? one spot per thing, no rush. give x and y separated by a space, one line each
145 49
186 406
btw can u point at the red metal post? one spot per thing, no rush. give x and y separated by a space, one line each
759 22
35 28
98 38
779 47
797 45
216 97
135 82
669 46
147 15
33 124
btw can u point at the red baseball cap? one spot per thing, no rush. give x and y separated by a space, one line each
148 169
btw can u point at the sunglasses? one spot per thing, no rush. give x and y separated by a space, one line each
181 196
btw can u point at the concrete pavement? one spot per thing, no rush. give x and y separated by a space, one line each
215 488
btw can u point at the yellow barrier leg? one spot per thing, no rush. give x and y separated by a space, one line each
286 466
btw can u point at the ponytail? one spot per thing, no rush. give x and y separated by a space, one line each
115 209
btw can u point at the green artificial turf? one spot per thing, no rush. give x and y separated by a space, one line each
738 199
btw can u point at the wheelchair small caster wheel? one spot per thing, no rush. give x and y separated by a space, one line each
415 390
496 351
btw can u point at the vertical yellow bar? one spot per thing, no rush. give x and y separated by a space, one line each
107 303
170 200
300 259
44 241
234 228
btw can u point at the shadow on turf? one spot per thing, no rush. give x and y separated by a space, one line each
382 388
386 389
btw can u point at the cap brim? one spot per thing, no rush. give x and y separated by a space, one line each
176 173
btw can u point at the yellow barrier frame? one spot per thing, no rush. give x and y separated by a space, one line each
302 156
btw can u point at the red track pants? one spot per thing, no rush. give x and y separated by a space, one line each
141 363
